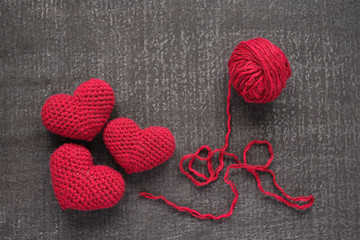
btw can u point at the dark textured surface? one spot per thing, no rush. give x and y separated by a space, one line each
167 63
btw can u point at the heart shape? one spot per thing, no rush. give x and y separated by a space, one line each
78 184
81 116
138 150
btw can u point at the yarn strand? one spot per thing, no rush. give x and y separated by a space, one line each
213 174
258 72
228 117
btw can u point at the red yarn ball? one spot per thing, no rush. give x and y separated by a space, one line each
258 70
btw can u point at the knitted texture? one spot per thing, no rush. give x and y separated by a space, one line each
82 115
138 150
258 70
78 184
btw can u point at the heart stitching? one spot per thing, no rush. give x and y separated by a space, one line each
78 184
138 150
81 116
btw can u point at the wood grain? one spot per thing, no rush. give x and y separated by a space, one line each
167 63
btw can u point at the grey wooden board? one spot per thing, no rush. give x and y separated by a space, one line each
167 63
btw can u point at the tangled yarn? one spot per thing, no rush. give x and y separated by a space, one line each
258 71
78 184
82 115
138 150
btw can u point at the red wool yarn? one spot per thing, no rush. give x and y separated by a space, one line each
138 150
78 184
81 116
258 71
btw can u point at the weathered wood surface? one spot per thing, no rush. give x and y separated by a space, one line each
167 63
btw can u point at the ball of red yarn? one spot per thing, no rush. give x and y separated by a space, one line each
258 70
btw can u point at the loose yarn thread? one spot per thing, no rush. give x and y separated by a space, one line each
258 71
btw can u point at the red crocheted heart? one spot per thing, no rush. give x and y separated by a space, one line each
78 184
138 150
81 116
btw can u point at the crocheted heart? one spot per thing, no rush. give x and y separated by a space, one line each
138 150
78 184
81 116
